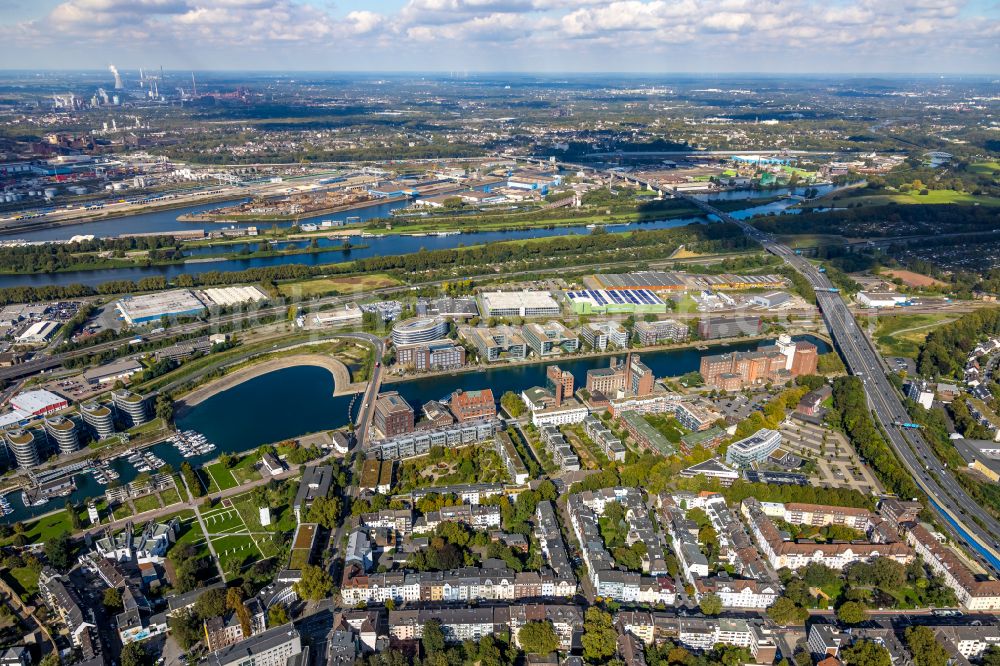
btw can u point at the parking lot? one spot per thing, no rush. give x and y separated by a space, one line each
736 406
837 463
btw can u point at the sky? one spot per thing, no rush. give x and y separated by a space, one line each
655 36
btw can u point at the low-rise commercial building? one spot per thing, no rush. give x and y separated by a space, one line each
755 448
496 343
435 355
650 333
617 301
550 338
144 309
38 402
600 335
880 299
712 469
714 328
518 304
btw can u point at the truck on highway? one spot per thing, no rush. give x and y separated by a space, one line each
831 290
822 270
911 426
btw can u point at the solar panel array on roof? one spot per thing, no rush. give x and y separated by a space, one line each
603 298
640 279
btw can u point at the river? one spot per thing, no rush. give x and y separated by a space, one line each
299 400
373 247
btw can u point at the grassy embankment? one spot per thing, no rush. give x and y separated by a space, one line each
902 334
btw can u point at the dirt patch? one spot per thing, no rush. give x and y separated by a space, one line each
912 279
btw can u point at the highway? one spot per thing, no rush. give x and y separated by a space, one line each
968 521
981 529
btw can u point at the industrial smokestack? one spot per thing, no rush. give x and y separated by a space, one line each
118 77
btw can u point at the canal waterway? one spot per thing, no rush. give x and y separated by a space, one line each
370 247
299 400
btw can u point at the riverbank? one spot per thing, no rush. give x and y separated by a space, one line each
708 345
341 377
228 218
105 215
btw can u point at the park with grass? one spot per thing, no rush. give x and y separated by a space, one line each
234 529
903 334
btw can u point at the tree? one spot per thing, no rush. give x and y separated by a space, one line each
433 637
51 659
60 551
186 628
164 408
113 599
74 516
316 583
513 404
134 654
786 612
211 603
865 653
924 647
710 604
992 656
325 511
852 612
234 601
277 615
538 638
490 652
600 641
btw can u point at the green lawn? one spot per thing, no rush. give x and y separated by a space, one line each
985 167
208 481
246 469
667 426
223 521
298 558
170 496
282 519
150 426
190 532
147 503
902 334
222 477
44 528
932 197
23 580
235 547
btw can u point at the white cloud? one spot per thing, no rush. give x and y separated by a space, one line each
436 33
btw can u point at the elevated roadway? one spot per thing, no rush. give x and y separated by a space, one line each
973 524
970 522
